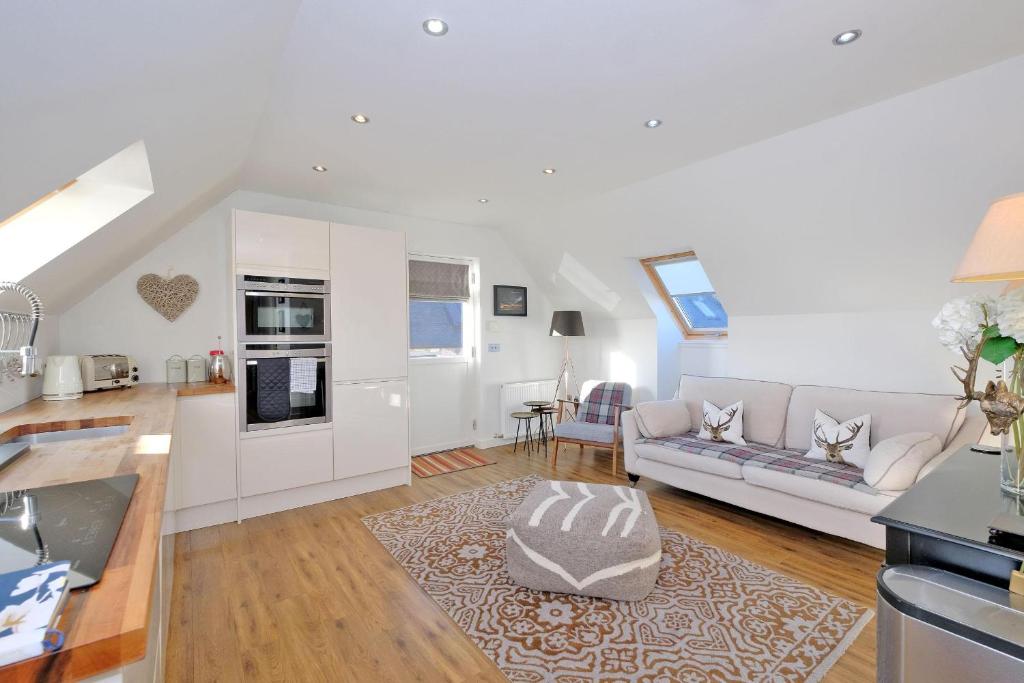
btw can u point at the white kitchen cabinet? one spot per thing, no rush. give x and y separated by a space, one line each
266 244
284 459
206 466
371 427
369 303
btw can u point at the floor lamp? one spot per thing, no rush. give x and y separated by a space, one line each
567 324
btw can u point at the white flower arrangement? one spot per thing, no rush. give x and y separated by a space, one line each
962 321
1010 315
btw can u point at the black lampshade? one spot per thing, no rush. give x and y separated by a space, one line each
567 324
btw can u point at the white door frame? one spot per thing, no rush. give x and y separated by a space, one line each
471 337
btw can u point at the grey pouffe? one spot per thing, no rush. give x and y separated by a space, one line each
587 539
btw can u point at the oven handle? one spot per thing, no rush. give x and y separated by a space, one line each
254 362
285 295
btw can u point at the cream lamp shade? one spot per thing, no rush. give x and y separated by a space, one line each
997 250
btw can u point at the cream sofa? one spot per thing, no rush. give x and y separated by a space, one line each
777 421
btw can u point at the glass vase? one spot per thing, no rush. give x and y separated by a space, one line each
1011 450
1010 466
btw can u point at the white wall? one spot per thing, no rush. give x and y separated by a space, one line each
895 351
20 390
885 351
619 351
114 320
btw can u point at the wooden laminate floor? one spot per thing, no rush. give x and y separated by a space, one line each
310 595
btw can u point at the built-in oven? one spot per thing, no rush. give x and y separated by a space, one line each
283 309
283 385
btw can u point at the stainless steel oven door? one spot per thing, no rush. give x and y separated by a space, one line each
304 408
283 309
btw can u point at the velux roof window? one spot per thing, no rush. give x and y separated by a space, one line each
51 225
683 285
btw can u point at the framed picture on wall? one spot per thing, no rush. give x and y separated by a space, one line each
510 300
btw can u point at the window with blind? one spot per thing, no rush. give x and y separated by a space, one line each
438 295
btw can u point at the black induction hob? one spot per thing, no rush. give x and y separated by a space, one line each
70 522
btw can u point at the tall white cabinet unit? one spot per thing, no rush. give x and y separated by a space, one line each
370 321
364 445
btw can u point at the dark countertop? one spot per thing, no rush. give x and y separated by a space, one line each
957 502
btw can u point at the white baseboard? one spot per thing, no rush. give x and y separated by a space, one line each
492 442
434 448
278 501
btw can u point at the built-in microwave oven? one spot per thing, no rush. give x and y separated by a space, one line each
283 385
283 309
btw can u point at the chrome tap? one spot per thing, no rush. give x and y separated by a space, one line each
13 337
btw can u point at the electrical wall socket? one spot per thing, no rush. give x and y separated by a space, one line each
493 348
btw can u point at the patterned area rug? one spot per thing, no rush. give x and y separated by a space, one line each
712 617
455 460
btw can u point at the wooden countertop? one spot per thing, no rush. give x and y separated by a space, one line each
106 624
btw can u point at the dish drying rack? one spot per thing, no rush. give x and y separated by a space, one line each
18 356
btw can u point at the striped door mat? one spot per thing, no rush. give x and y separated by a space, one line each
445 462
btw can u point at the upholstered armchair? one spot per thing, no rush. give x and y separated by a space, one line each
594 421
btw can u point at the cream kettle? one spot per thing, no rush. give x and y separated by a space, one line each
62 379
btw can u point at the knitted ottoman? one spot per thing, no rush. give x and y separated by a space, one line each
588 539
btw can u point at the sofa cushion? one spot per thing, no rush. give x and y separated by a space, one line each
861 499
764 404
687 460
693 453
827 432
891 413
797 464
893 464
722 424
658 419
585 431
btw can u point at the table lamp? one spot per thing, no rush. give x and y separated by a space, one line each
996 253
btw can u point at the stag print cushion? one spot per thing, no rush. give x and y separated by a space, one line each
723 424
849 442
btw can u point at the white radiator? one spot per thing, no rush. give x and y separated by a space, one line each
514 393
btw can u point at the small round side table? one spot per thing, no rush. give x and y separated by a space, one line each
521 417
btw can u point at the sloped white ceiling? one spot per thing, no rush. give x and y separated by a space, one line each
83 80
515 87
251 94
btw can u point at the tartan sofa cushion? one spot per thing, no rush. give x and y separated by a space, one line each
599 408
768 457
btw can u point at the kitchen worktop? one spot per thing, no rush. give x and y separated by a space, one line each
105 625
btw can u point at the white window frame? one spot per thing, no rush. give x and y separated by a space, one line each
470 313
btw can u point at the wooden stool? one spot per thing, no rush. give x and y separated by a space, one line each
520 417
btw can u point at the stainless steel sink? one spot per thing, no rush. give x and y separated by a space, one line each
71 434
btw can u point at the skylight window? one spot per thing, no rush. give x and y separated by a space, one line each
687 292
51 225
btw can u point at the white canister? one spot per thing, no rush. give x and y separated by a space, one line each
176 369
196 369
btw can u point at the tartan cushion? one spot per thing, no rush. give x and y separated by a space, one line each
767 457
599 408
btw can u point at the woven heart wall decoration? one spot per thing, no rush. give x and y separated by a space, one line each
168 297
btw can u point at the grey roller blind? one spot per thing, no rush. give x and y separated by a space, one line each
438 281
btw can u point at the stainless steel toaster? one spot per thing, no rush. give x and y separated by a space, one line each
108 371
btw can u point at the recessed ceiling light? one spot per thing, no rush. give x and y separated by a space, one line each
549 171
846 37
435 27
319 169
483 200
652 123
360 118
